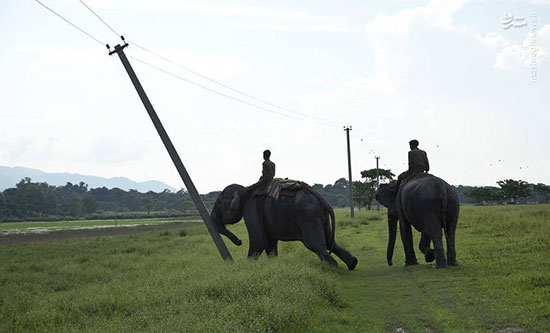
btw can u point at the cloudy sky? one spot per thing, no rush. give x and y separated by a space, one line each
476 95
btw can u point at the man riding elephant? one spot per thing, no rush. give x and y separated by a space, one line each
418 163
295 213
268 173
427 203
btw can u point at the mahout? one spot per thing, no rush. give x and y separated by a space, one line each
431 206
302 216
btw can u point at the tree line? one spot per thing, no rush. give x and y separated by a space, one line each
39 201
509 191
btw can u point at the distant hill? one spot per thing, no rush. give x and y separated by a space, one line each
9 176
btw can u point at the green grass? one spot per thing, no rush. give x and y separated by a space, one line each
175 281
76 224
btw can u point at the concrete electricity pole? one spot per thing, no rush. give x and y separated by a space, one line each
377 182
347 129
224 252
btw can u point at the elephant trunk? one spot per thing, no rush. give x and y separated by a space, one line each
392 228
227 233
217 218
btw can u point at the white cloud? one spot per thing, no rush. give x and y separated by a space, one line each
327 27
533 48
509 55
383 33
438 13
410 92
206 63
492 40
424 83
541 2
512 56
350 99
47 58
271 18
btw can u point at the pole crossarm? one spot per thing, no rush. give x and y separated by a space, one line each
199 204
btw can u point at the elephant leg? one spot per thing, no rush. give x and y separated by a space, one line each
425 241
346 257
440 260
323 255
451 251
256 231
314 239
407 239
271 249
255 250
258 242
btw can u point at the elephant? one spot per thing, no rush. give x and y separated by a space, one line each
303 216
429 204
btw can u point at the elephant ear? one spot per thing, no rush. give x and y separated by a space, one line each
392 186
386 194
235 202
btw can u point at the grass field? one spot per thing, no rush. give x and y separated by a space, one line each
175 281
77 224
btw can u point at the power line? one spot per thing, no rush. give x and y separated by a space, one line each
91 10
230 88
363 146
208 78
222 94
69 22
304 117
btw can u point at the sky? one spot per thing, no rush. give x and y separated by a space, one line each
465 78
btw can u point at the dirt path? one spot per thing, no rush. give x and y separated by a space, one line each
54 235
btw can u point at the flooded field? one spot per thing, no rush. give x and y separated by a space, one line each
21 233
9 228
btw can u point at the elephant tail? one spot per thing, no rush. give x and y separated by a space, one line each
333 222
444 212
330 212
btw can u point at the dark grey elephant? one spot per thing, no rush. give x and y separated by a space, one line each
303 217
429 204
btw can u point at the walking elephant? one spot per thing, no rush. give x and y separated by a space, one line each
303 216
429 204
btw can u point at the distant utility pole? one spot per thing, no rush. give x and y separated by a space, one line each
347 129
377 182
224 252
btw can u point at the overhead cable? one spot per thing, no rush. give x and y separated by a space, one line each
208 78
230 88
91 10
297 116
69 22
223 94
363 146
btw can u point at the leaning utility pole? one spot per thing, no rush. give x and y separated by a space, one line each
377 183
347 129
224 252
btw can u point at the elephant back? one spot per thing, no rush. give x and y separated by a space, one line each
425 188
285 187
